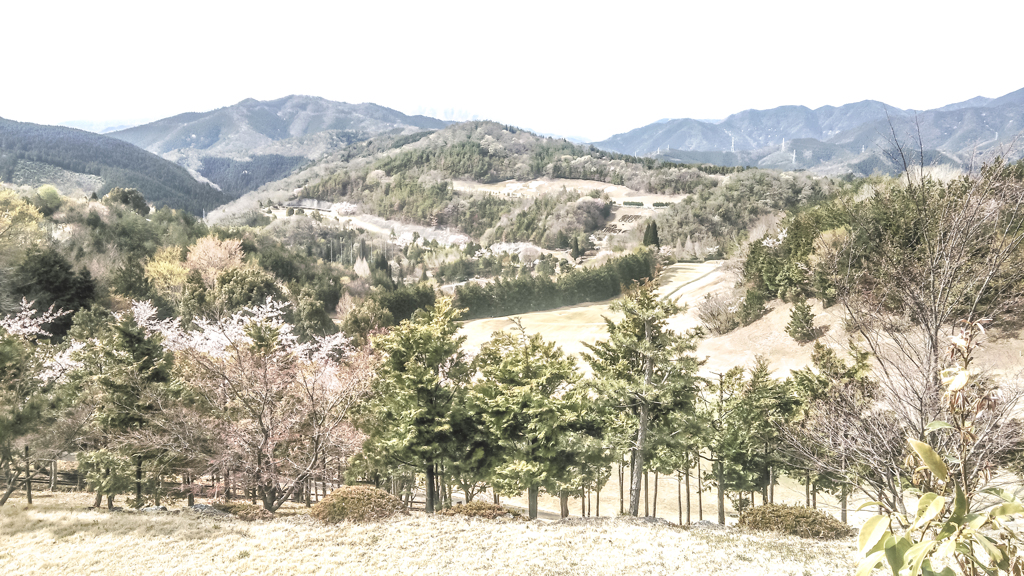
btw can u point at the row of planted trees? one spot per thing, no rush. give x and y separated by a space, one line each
520 417
144 403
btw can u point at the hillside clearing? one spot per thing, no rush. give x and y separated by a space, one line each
58 536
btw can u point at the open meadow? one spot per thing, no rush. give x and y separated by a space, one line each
57 535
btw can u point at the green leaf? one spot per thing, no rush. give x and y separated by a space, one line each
871 532
895 551
868 564
928 508
1000 493
946 548
931 459
916 554
1005 510
975 521
937 425
884 542
995 554
866 504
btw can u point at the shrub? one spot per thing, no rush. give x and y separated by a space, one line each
795 520
244 511
718 313
357 504
753 306
480 509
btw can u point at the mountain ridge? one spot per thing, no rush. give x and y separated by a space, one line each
854 134
244 145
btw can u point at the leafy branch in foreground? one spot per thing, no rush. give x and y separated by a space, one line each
948 530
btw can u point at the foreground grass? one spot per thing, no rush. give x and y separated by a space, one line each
57 535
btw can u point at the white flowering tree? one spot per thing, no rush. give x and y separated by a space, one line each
279 407
26 393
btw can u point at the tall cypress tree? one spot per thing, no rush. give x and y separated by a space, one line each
418 389
647 370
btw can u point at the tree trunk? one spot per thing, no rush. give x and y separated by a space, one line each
720 474
842 502
679 490
227 486
647 494
597 503
771 485
428 505
563 504
638 464
496 500
814 497
532 492
807 489
687 496
700 493
583 503
654 506
53 475
138 481
28 477
622 500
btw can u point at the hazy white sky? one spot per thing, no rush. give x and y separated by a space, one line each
583 69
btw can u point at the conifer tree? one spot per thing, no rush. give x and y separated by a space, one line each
651 235
647 370
801 323
417 389
526 399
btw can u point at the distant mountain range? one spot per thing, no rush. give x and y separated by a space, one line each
243 146
851 138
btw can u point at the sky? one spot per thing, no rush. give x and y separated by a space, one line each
586 70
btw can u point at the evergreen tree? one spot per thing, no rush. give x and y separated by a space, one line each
801 323
651 234
647 370
417 388
127 371
525 399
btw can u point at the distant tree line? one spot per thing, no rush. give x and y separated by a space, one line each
528 293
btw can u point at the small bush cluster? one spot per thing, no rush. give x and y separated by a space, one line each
244 511
718 313
480 509
795 520
357 504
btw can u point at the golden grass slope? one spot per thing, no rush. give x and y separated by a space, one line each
57 536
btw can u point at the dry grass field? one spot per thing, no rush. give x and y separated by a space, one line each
526 189
58 536
571 326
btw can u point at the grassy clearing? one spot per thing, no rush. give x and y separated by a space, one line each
58 536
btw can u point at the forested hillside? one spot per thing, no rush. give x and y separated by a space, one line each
119 164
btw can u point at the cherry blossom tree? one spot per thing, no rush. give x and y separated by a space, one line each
279 407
